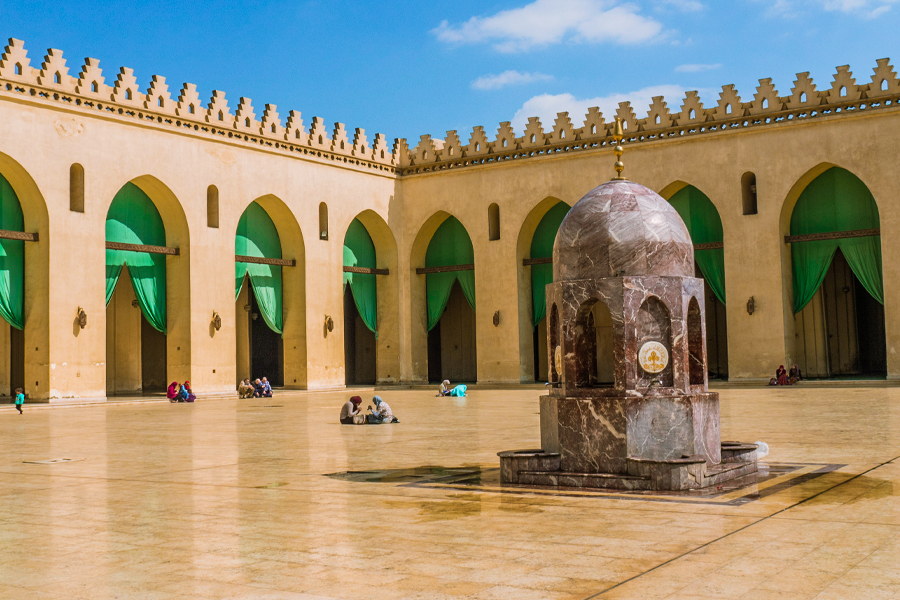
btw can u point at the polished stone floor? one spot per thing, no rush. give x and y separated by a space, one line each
230 499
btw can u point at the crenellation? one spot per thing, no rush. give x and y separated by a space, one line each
534 134
843 87
270 126
380 151
452 146
217 111
563 131
884 80
54 73
478 143
629 119
188 102
158 97
766 98
401 154
361 148
340 144
425 151
91 82
245 116
594 125
658 117
318 136
692 111
294 130
729 106
125 89
506 138
15 64
803 94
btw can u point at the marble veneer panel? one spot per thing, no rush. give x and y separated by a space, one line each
666 428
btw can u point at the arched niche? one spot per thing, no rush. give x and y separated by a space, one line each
535 242
654 324
837 278
593 346
382 289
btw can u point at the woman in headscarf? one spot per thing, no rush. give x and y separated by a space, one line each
350 410
188 392
445 388
381 413
794 375
781 376
172 391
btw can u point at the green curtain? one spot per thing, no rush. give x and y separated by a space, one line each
133 219
542 247
12 258
257 236
704 224
836 200
450 246
359 251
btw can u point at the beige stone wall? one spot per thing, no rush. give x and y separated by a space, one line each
174 162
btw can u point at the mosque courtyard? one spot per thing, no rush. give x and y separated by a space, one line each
273 499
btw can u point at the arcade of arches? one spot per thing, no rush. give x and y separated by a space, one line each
210 273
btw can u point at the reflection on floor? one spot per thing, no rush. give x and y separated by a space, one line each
272 498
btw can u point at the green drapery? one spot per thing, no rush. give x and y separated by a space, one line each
133 219
542 247
705 226
359 251
836 200
258 237
450 246
12 258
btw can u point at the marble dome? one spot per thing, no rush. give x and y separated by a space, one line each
620 229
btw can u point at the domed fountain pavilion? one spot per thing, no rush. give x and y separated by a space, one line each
629 405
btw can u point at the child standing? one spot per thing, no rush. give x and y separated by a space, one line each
20 399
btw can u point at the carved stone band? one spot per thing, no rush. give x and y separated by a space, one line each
426 270
18 235
257 260
831 235
366 271
143 248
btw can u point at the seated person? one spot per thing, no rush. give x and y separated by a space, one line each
350 410
794 375
381 413
444 389
266 388
781 375
245 390
172 391
257 388
188 392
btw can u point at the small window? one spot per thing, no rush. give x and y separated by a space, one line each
593 131
363 149
493 222
94 87
320 139
803 97
450 151
657 120
504 142
727 109
323 221
57 78
382 154
76 188
477 147
342 145
624 124
297 134
533 138
273 128
160 102
692 114
425 155
247 122
128 94
191 108
748 193
221 116
18 68
562 134
884 85
843 92
765 103
212 207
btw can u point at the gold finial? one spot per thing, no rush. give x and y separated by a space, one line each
618 134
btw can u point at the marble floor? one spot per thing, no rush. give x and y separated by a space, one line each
230 499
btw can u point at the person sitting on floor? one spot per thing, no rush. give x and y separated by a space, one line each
444 389
350 410
245 390
794 375
381 413
266 388
188 392
257 388
781 376
172 391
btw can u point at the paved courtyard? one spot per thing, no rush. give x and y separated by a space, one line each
252 499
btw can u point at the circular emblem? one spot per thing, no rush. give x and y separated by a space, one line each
653 357
557 360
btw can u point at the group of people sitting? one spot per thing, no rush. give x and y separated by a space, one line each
446 390
351 414
180 392
257 389
783 377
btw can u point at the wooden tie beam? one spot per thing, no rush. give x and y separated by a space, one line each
278 262
143 248
18 235
451 268
527 262
709 246
831 235
366 271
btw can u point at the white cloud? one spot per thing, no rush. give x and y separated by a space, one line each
868 9
546 106
546 22
495 82
697 68
683 5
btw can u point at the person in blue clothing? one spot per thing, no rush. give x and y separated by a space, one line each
263 388
20 399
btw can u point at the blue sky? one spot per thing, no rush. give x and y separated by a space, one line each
408 68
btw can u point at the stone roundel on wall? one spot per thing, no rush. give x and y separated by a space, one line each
653 357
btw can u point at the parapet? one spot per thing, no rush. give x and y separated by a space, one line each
124 98
843 96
